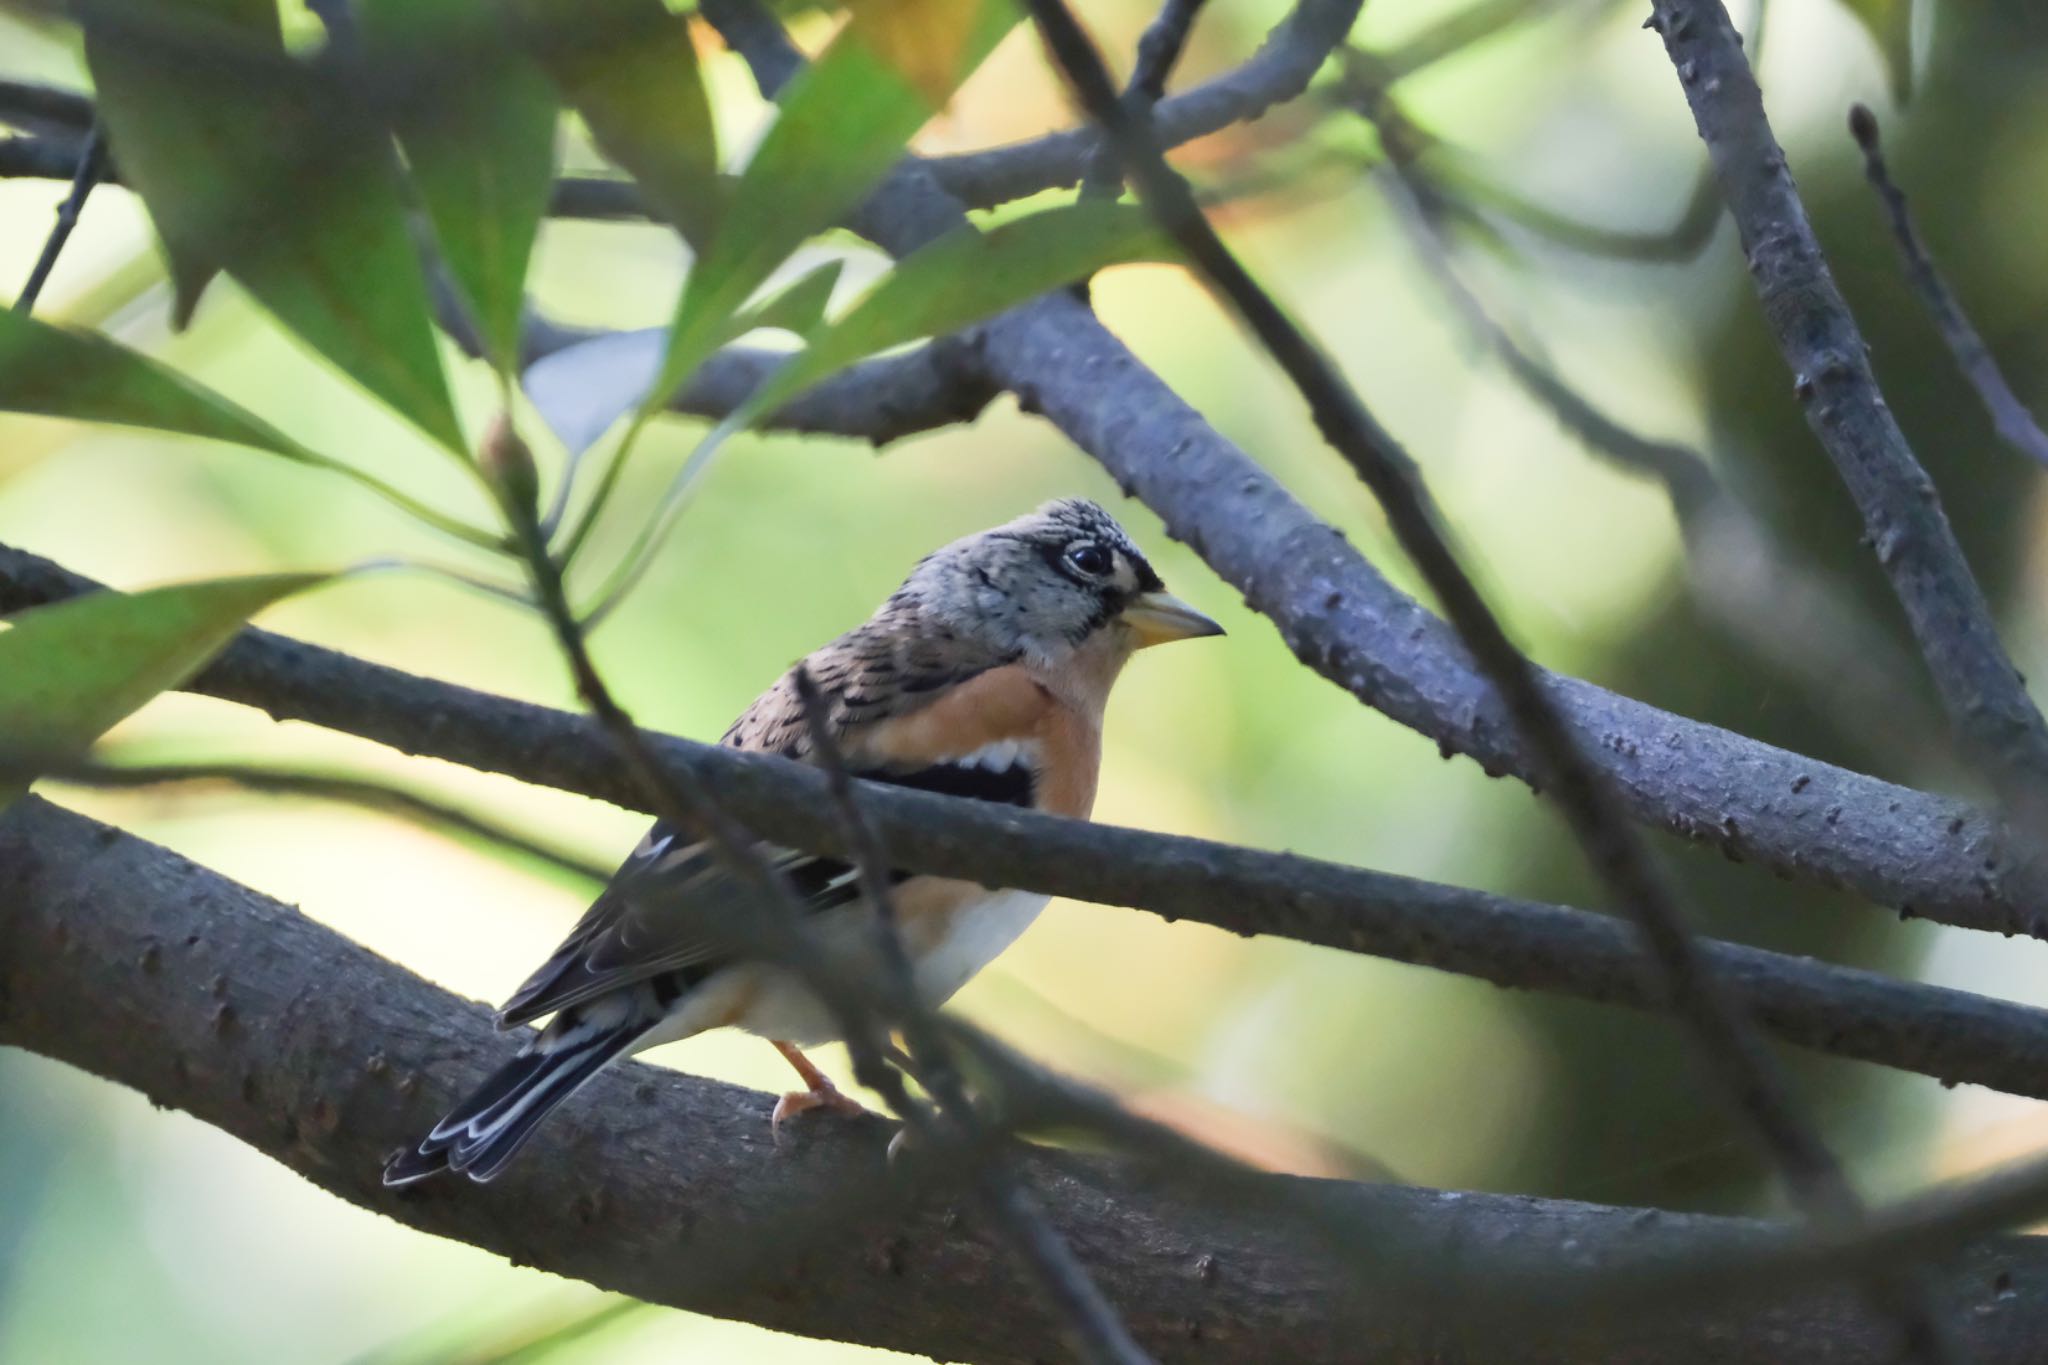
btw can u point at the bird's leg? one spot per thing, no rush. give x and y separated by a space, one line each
819 1093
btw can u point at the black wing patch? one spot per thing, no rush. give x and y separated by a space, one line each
1011 785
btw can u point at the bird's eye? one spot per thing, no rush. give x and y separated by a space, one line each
1090 559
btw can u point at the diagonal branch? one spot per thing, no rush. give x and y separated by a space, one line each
1986 699
1754 1087
125 960
1951 1035
2009 417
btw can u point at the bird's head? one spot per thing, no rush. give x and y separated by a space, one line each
1056 582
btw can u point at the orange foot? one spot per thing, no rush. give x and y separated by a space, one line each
819 1093
804 1101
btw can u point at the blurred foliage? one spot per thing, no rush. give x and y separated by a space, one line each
138 1235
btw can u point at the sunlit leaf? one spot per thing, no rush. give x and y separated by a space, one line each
1890 23
630 68
70 671
271 170
924 40
56 372
844 121
963 278
476 117
128 81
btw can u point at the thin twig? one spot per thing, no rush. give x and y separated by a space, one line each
90 165
1779 605
1752 1082
1158 50
2009 417
369 793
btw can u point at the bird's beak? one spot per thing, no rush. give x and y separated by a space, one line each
1160 617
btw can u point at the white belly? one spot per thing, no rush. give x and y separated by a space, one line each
977 937
778 1005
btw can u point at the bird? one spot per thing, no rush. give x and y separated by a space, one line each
985 675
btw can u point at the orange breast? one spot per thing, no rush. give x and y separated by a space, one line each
1003 704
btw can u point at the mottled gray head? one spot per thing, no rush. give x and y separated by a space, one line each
1047 582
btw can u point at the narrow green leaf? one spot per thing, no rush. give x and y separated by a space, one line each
1890 24
845 120
56 372
269 169
125 73
799 308
70 671
630 68
963 278
476 117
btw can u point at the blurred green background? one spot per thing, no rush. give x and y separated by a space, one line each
132 1234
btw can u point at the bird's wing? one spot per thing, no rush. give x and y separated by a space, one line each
905 708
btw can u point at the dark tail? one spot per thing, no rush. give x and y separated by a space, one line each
486 1131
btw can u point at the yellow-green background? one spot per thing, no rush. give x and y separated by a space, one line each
132 1234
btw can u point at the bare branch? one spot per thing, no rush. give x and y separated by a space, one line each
45 109
1158 50
210 998
1986 700
384 797
1781 606
1278 72
1753 1086
2009 417
91 165
1952 1035
1799 817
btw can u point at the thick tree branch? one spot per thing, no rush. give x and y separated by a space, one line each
1952 1035
127 961
1753 1086
1760 589
1802 818
45 109
1985 697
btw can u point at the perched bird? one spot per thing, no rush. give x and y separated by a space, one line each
985 675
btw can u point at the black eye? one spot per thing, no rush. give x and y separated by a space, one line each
1090 559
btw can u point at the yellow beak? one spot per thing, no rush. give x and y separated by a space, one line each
1160 617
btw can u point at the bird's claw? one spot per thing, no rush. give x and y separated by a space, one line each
825 1097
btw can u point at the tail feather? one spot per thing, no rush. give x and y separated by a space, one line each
484 1132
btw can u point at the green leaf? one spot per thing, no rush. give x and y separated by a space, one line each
1890 24
72 670
845 121
55 372
124 71
476 117
270 170
630 69
962 278
799 308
